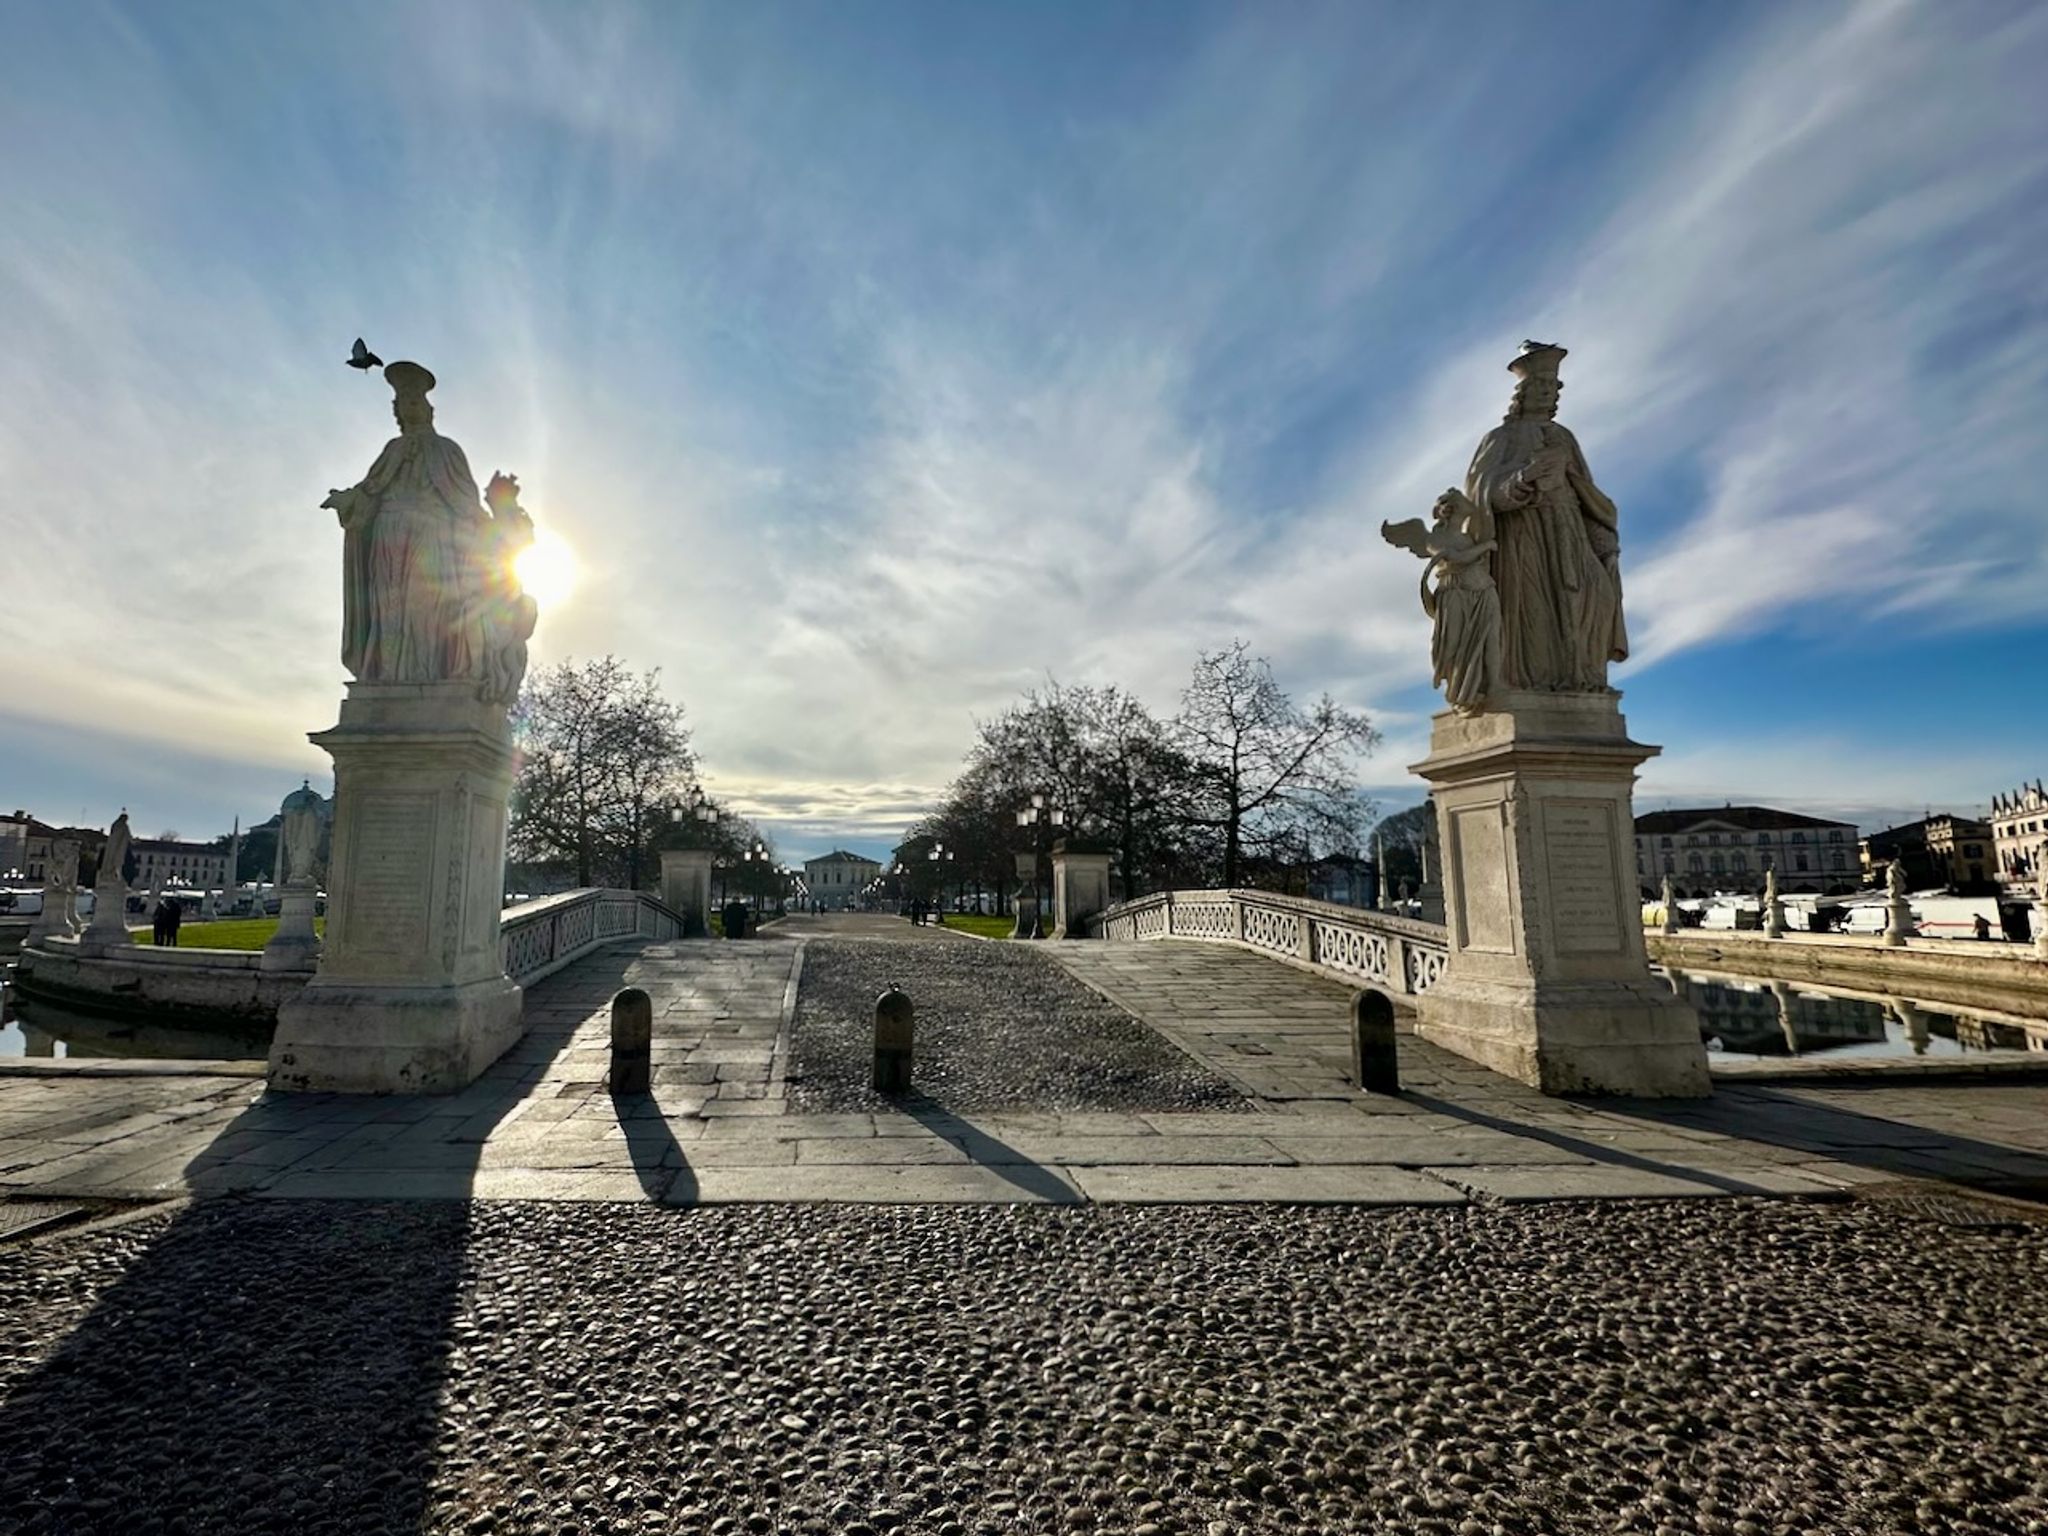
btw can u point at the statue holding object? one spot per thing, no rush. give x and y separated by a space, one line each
1558 564
428 590
1526 558
1464 651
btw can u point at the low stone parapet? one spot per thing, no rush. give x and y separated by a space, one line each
1999 977
145 979
539 938
1348 944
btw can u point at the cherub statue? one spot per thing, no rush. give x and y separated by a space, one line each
1464 652
508 614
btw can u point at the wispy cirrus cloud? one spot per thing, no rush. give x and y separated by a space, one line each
878 369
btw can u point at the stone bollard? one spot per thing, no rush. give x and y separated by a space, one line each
1373 1064
632 1042
894 1018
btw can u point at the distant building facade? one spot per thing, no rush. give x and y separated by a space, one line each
164 862
26 845
1939 853
2019 841
1729 848
837 879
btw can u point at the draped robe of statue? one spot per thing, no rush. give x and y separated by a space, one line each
1557 567
412 533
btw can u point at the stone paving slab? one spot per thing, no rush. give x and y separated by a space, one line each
1150 1185
542 1125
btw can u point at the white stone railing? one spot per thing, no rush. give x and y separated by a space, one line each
542 936
1349 944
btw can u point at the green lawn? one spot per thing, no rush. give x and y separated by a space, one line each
229 933
987 927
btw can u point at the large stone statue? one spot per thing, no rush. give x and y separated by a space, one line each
428 593
1557 562
409 992
1532 771
115 854
301 831
1464 650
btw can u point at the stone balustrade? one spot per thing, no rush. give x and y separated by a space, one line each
1347 944
543 935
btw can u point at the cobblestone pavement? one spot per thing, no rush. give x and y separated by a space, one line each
1727 1369
722 1126
999 1027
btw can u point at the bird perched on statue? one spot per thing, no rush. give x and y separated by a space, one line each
362 357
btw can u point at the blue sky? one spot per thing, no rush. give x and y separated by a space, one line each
876 359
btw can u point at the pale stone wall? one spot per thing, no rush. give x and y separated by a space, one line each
2019 834
1716 854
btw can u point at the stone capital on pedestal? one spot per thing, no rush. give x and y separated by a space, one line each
1548 980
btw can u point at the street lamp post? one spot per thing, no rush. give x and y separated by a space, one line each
1039 819
939 857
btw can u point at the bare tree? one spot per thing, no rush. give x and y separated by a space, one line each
1267 771
602 756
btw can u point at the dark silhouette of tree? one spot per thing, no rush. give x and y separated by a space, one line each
603 755
1268 774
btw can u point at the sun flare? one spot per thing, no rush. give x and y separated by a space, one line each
546 568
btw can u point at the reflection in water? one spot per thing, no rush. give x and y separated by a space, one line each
33 1027
1744 1017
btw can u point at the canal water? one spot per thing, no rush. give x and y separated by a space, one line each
1755 1018
33 1028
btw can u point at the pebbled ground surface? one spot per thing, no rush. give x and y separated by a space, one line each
254 1366
998 1027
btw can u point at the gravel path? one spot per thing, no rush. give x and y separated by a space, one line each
1734 1368
999 1027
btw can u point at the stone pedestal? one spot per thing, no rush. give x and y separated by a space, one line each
56 920
686 886
1027 897
1080 886
411 994
1898 922
1547 979
295 946
109 926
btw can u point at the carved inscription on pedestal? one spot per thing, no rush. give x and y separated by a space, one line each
391 875
1485 885
1585 901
